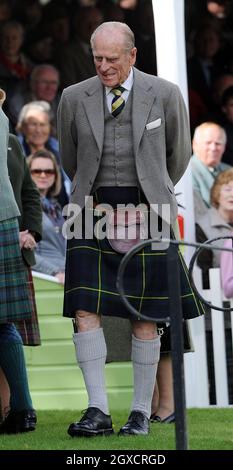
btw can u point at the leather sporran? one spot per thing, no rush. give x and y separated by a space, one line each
126 228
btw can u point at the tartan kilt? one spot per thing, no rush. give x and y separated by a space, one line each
29 329
15 303
90 281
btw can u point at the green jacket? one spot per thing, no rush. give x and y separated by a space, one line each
8 206
26 194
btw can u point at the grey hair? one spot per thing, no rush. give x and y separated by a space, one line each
129 38
199 129
40 68
43 106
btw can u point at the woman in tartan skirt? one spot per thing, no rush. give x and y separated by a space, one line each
15 302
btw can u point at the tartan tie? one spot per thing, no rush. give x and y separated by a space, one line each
118 102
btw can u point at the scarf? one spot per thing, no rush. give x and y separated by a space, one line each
52 209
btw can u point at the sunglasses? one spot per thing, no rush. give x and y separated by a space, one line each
38 171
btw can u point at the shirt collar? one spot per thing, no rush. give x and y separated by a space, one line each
127 84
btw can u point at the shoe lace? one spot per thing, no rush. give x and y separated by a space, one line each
136 418
85 410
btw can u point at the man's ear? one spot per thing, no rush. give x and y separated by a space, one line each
133 54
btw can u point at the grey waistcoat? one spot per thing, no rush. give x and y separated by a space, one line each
117 166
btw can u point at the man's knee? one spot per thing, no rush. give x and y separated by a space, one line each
86 321
144 330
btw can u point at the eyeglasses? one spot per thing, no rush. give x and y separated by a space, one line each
47 172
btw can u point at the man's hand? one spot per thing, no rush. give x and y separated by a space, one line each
26 240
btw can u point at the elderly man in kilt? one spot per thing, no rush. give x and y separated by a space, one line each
124 138
16 302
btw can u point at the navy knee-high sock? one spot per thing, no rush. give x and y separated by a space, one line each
12 362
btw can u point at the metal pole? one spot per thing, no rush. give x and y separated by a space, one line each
177 347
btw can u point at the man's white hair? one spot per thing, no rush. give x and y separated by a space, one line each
110 26
205 125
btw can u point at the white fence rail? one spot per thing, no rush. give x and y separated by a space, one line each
196 366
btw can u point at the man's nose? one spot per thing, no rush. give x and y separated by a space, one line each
104 65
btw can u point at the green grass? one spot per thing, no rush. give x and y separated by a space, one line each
208 429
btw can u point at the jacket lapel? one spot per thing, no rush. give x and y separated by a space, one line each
143 99
94 107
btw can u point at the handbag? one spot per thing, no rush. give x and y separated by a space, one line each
126 228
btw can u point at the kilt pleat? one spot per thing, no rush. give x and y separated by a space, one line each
15 303
29 329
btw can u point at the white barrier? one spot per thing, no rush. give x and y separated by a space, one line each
196 371
46 277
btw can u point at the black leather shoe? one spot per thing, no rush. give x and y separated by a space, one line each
137 424
19 421
168 420
93 423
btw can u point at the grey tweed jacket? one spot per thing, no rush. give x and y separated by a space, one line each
161 136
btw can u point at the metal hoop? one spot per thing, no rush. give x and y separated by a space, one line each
120 279
190 272
199 247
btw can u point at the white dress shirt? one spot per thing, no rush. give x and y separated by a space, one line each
127 85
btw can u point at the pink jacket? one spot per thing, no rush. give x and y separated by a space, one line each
226 269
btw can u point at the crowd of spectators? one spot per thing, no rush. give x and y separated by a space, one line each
45 47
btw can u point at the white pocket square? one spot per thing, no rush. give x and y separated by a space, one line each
153 124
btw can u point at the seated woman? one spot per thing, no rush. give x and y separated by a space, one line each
50 251
217 221
35 133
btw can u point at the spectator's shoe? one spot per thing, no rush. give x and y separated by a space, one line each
137 424
168 420
19 421
93 423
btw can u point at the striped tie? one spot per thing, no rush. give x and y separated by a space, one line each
118 102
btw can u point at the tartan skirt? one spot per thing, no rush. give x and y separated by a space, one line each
91 270
29 329
15 303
